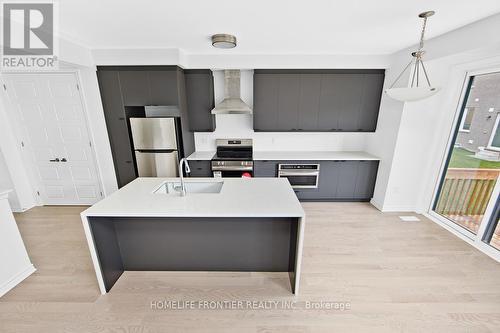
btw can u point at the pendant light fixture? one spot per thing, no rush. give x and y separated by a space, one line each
415 91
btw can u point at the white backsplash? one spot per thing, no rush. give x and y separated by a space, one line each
241 126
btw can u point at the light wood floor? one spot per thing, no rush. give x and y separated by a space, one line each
397 277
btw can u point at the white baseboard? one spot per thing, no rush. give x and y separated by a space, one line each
15 280
389 209
402 209
376 204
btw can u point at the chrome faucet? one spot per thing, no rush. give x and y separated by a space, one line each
187 169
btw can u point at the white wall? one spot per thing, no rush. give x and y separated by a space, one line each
7 184
412 138
231 61
17 172
241 126
98 130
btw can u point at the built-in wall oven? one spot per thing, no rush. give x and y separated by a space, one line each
300 175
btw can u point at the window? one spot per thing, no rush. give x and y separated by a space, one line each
467 119
494 142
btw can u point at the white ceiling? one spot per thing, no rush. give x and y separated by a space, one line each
265 26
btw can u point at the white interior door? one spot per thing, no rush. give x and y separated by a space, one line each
52 125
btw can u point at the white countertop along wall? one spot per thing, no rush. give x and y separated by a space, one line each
314 156
296 156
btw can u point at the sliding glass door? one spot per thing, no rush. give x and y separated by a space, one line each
469 184
492 234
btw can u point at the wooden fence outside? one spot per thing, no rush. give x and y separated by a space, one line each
466 192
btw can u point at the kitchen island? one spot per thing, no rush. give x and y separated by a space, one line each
228 224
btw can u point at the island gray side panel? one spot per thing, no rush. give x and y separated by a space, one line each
207 244
107 248
293 245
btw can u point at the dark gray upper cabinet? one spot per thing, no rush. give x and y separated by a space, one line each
200 99
163 87
266 88
288 102
317 100
349 102
135 88
309 102
370 103
330 100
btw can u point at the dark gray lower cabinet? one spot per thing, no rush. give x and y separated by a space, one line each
365 180
338 180
200 168
265 168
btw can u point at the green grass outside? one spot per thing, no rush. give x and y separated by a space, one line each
461 158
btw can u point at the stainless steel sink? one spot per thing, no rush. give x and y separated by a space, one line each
198 186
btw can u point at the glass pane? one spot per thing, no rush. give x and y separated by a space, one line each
302 180
473 166
495 237
495 142
469 113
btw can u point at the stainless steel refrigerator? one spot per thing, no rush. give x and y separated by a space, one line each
155 145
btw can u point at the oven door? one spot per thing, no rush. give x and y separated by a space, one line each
232 173
300 179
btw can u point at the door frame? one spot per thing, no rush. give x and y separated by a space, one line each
27 160
474 239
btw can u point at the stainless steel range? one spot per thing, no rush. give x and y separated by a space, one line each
233 158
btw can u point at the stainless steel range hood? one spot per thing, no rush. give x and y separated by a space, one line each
232 103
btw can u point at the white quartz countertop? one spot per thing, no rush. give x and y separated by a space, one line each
313 155
201 155
239 197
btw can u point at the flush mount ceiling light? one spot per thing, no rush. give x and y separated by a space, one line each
416 66
224 41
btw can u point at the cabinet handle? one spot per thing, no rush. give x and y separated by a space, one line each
128 161
54 160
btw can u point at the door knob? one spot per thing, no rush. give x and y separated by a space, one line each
64 159
54 160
